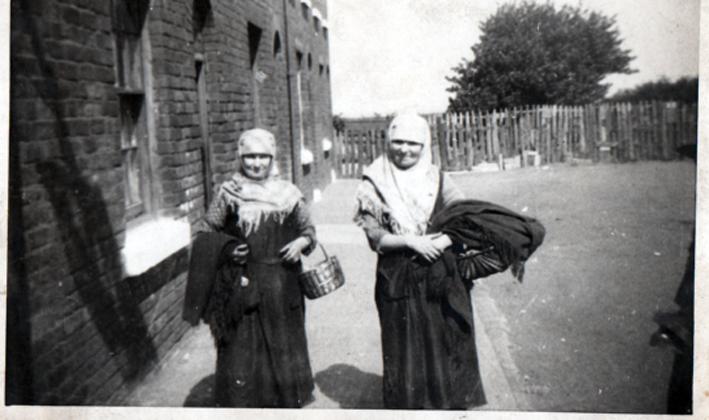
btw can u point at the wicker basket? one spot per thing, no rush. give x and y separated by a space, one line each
325 277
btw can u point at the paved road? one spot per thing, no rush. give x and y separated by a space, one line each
616 245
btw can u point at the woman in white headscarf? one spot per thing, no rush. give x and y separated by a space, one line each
258 319
428 341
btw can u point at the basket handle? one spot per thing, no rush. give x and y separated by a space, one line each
319 245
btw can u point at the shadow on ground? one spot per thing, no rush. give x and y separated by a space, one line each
202 394
350 387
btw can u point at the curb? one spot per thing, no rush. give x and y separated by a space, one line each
497 330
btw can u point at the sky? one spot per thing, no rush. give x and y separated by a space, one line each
391 55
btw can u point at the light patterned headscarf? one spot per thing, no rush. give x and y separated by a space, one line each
259 141
409 194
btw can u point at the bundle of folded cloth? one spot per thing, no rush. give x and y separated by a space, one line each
488 238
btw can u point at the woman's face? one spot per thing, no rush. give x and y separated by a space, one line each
404 153
256 165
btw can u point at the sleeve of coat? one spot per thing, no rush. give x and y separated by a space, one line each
305 225
370 214
205 260
215 217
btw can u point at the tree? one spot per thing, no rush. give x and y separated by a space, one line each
684 89
535 54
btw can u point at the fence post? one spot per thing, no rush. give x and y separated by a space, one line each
611 132
547 123
693 123
653 129
456 141
336 153
468 137
663 131
346 153
495 135
442 146
371 145
565 133
682 122
631 111
628 130
553 134
435 149
603 123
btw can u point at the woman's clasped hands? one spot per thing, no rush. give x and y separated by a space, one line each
430 246
290 253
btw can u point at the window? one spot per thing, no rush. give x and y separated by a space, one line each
148 240
201 19
299 95
305 9
310 62
258 76
200 14
254 41
277 46
133 145
317 17
128 18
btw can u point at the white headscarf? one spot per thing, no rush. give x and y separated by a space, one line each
410 194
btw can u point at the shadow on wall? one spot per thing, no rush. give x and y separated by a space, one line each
18 386
350 387
88 242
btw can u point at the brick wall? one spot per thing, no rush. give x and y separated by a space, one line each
316 90
80 331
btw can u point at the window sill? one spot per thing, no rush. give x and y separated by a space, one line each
150 241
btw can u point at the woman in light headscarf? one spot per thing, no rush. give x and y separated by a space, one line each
256 313
428 341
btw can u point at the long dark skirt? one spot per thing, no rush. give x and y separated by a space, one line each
430 357
264 360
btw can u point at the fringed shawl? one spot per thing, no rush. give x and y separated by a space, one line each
255 201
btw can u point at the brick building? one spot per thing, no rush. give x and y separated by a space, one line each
124 116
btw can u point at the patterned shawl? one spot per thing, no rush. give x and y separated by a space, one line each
256 201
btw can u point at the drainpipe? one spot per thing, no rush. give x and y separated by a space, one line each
295 151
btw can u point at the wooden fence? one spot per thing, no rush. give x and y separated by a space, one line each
618 132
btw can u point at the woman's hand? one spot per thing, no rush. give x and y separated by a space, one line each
425 246
291 252
239 254
442 241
